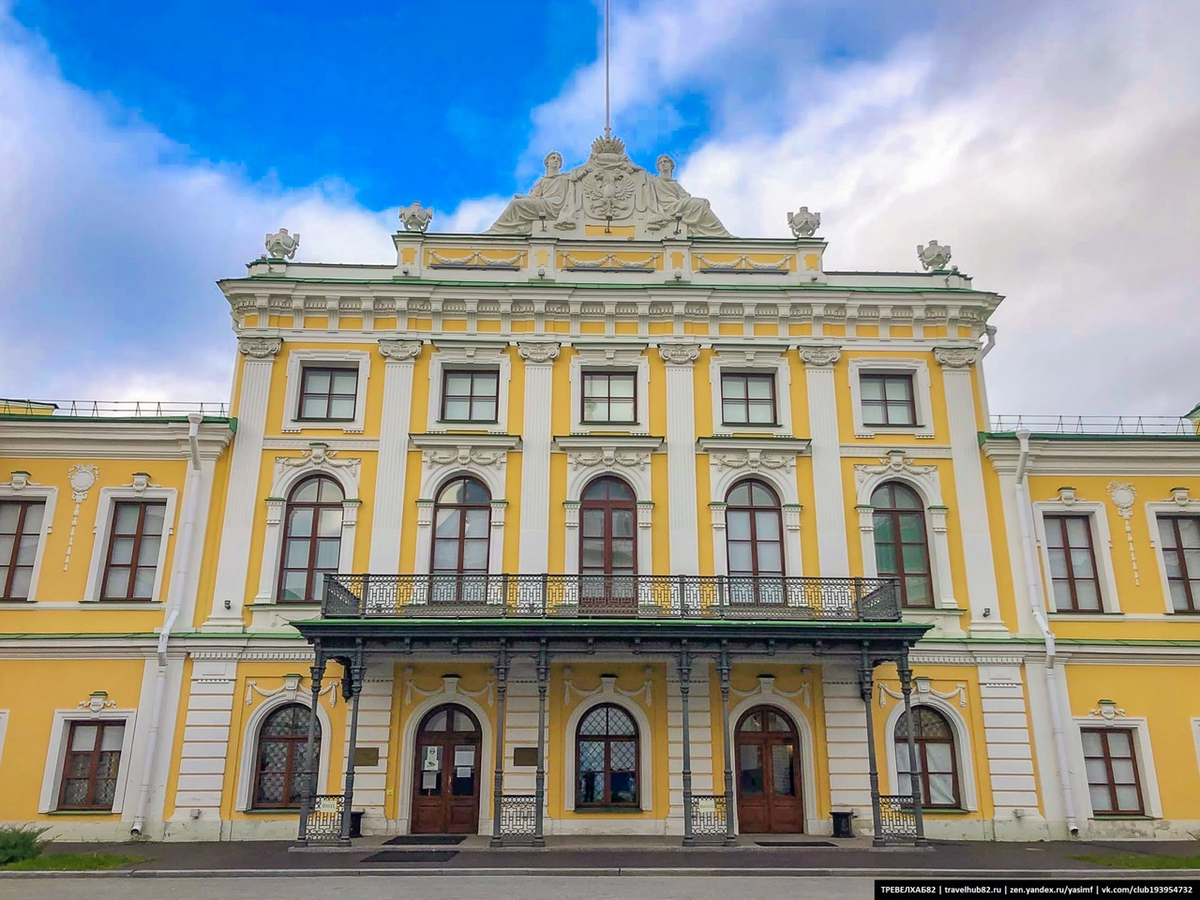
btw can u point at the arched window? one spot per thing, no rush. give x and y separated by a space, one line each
312 539
753 530
608 545
606 748
281 767
937 761
901 545
462 518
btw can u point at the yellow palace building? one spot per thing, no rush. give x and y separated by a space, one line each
601 522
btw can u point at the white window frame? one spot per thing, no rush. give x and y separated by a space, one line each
102 532
1168 509
249 754
57 752
922 395
1143 750
481 355
1101 543
298 360
49 496
963 758
750 360
616 357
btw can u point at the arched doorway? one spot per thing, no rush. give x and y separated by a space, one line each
446 774
608 548
768 773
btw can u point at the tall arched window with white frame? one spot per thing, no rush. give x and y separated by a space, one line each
312 538
902 543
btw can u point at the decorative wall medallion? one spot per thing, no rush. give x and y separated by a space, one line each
281 245
1107 710
450 686
804 224
1178 494
416 217
290 690
538 351
933 256
1123 494
1066 495
400 351
259 348
20 481
97 702
81 477
923 687
820 357
679 354
608 687
956 357
141 481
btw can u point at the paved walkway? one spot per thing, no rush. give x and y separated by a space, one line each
612 856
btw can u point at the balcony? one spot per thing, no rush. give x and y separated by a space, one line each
687 598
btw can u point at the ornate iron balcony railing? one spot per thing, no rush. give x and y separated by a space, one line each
688 597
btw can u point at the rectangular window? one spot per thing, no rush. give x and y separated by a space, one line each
1112 771
887 399
93 757
131 563
20 528
1072 564
747 399
470 396
610 398
327 394
1181 554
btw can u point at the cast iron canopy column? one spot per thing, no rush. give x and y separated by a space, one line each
501 695
356 672
317 672
905 673
866 686
723 669
685 687
543 676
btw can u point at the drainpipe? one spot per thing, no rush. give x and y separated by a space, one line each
1034 588
183 552
990 331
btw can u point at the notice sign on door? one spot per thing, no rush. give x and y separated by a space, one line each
433 759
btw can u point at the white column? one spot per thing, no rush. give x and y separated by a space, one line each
681 457
968 482
388 509
533 550
846 743
229 590
832 552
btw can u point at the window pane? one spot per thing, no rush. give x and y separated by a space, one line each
327 553
153 521
782 781
622 554
939 757
313 407
621 385
20 582
900 414
741 559
1097 771
475 554
594 385
447 523
485 384
458 383
345 381
10 514
941 790
316 381
112 737
762 413
767 525
126 518
294 585
769 559
117 583
1123 772
595 411
1092 745
1077 531
898 387
1058 563
871 388
737 525
874 414
593 522
330 523
733 412
457 408
296 556
883 529
912 528
307 491
593 553
750 770
914 557
445 555
341 408
148 551
1120 743
301 521
733 387
885 558
122 551
1086 595
621 411
83 737
760 388
1127 798
477 522
143 583
918 590
484 411
622 523
1101 801
1189 531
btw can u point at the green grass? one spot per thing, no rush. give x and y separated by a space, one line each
1140 861
73 862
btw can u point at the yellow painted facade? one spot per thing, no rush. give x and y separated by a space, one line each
189 673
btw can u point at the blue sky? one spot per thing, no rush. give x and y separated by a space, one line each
145 151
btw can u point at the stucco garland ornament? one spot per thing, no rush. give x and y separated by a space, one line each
416 217
766 688
933 256
450 686
97 702
81 477
753 459
923 688
282 245
1123 494
291 690
608 688
895 463
804 224
609 458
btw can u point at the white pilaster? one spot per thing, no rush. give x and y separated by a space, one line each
374 730
681 457
388 512
968 481
229 590
700 726
846 742
201 777
1010 755
832 552
533 550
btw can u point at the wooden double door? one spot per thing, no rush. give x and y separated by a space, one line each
769 800
446 774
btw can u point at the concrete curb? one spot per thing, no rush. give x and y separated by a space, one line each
619 871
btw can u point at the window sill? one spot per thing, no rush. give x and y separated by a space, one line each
469 423
1123 817
1086 615
945 811
607 810
81 812
332 423
282 811
893 429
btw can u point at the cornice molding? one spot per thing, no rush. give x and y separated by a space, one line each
1073 455
102 438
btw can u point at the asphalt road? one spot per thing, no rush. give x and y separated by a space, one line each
376 887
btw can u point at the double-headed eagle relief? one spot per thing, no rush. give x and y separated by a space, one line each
609 188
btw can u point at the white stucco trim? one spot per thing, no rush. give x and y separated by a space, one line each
337 359
1195 736
1097 520
617 357
345 472
102 530
964 758
922 393
1147 773
57 750
638 478
1153 512
783 482
3 732
804 729
249 751
926 482
406 786
608 695
770 359
49 496
482 355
